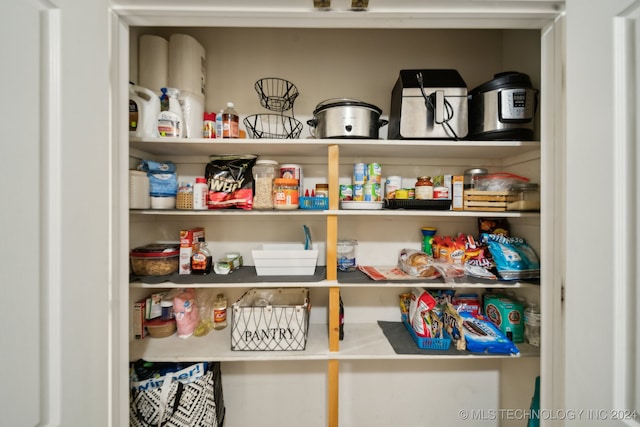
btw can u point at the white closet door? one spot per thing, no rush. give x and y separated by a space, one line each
601 293
54 256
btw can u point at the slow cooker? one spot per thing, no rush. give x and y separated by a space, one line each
503 108
346 118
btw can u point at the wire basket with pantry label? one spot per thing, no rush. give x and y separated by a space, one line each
271 319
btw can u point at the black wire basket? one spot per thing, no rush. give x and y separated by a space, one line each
276 94
274 126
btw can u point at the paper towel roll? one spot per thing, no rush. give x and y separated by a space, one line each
187 64
193 113
153 62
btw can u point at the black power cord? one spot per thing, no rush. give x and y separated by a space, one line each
429 104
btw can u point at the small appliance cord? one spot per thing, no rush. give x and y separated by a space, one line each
429 104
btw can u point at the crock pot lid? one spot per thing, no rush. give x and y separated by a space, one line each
508 79
344 102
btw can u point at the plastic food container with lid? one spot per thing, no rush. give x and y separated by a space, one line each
285 193
155 259
525 197
264 172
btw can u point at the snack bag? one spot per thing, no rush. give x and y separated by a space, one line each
478 261
493 226
467 302
421 303
513 257
449 249
442 296
453 324
437 326
482 336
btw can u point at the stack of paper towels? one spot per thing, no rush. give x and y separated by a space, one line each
179 63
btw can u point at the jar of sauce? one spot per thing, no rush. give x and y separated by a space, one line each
424 188
285 193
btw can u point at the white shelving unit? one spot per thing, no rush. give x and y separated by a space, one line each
338 375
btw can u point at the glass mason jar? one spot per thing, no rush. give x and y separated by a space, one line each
424 188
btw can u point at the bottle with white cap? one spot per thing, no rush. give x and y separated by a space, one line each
230 122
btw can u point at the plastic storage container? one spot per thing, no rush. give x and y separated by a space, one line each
470 176
264 172
155 259
160 328
285 193
532 324
347 255
139 197
525 197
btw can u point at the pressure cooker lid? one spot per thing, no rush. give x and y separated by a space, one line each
505 80
344 102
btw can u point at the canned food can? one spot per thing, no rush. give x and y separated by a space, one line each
346 252
402 194
411 193
358 192
374 173
440 193
293 171
391 184
371 192
359 173
346 192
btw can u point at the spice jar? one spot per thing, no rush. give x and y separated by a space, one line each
424 188
264 172
285 193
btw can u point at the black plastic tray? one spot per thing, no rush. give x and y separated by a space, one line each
434 205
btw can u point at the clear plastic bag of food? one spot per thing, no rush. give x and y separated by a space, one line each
417 263
501 181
